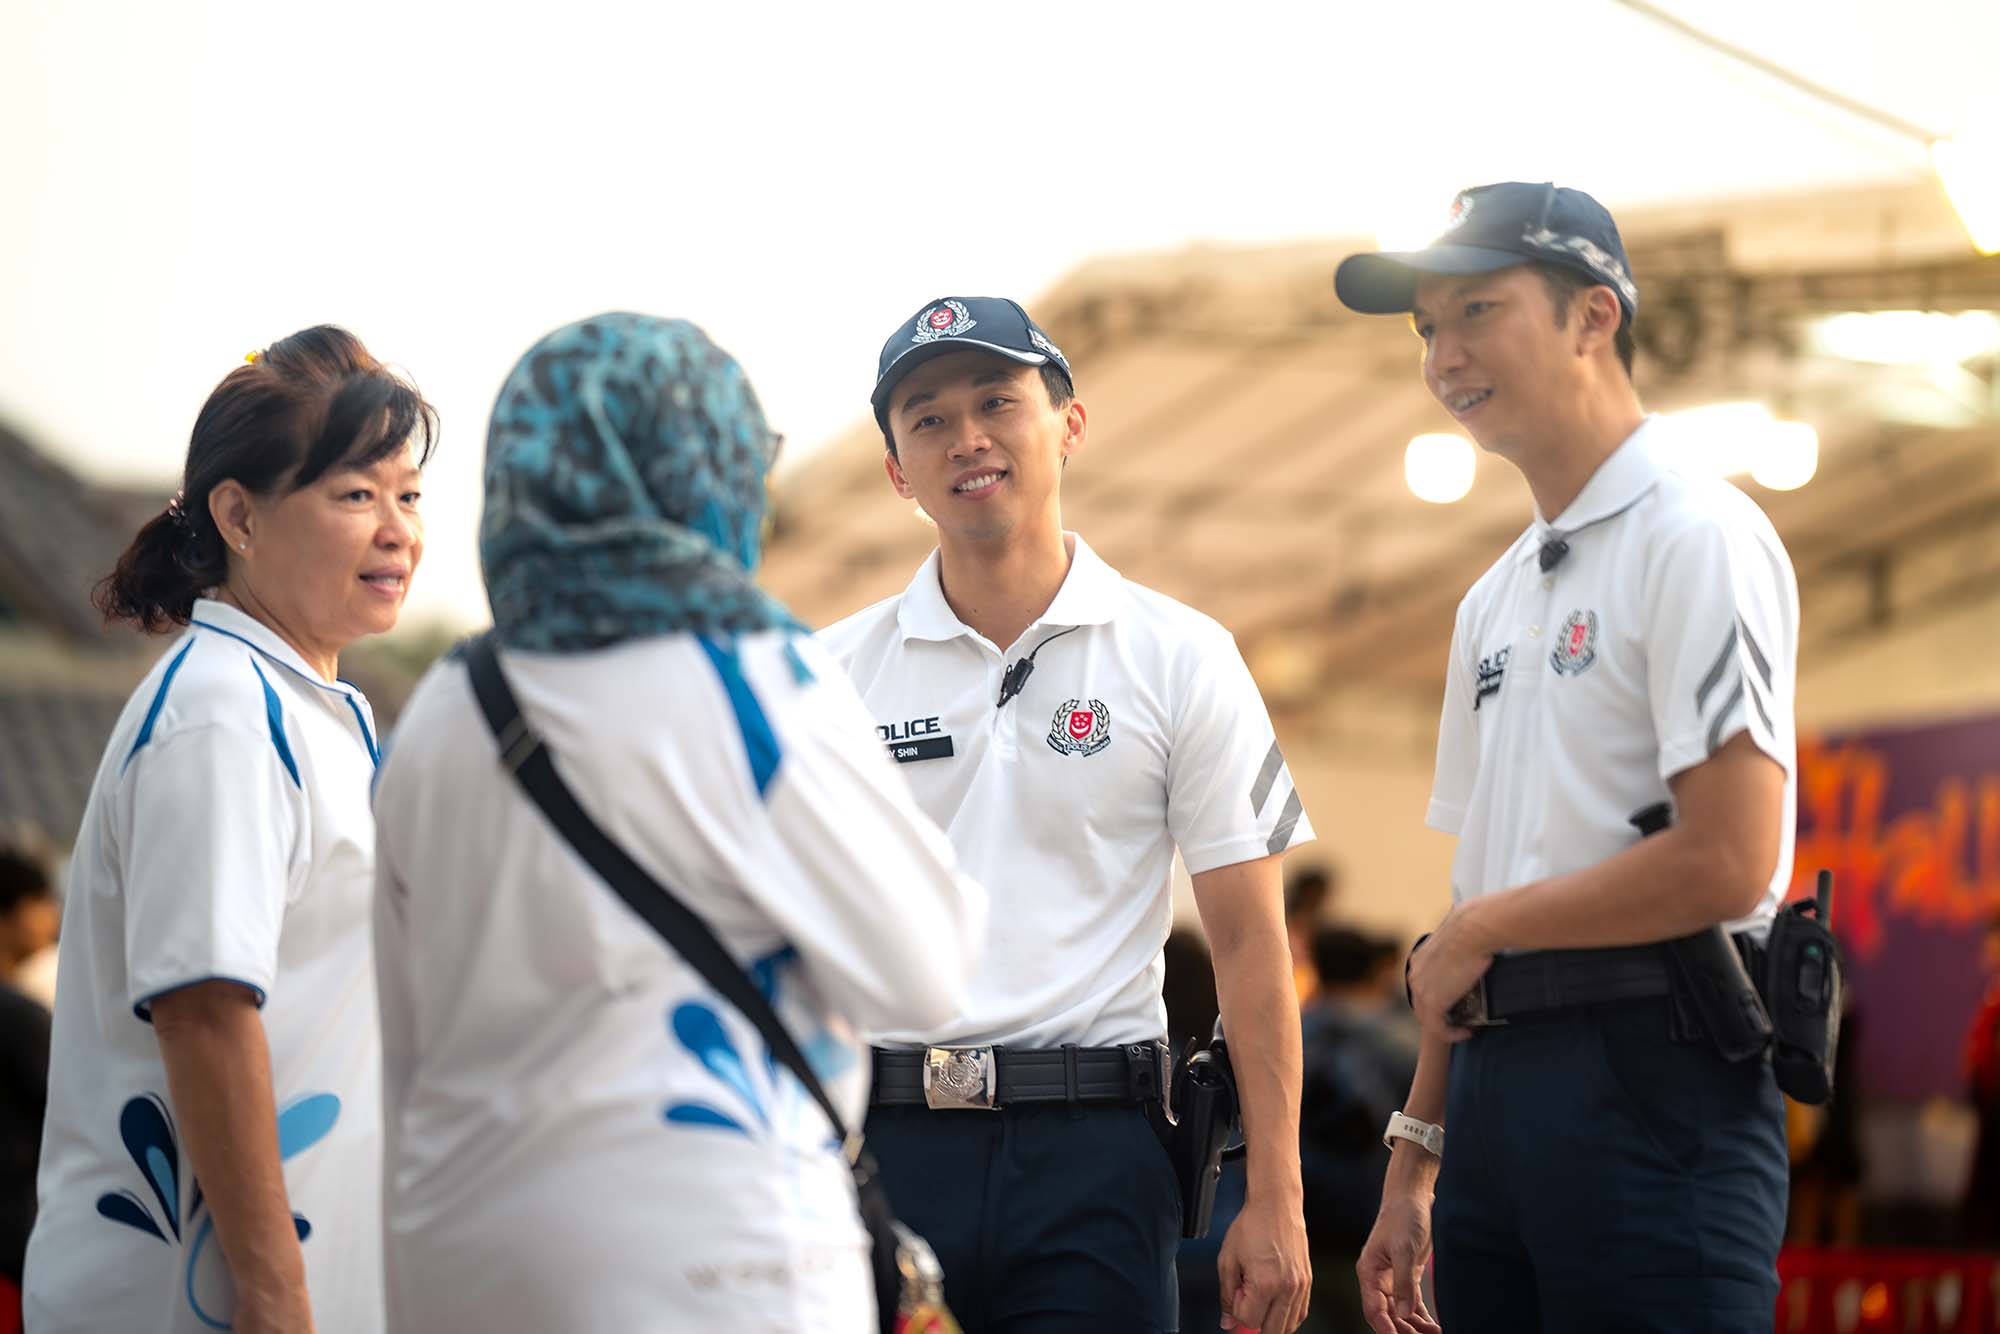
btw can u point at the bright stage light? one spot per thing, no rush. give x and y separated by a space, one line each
1787 457
1968 165
1908 337
1729 439
1439 468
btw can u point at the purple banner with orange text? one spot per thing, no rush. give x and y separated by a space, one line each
1908 820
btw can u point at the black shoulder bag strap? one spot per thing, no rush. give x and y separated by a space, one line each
523 753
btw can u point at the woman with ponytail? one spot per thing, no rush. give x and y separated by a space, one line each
211 1158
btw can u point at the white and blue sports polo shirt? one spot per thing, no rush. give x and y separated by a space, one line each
1574 694
581 1134
1138 731
228 835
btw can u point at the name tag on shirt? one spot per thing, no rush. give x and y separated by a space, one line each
929 748
913 739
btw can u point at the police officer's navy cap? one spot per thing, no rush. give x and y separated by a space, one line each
953 324
1494 227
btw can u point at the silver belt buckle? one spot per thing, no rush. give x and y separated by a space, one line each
960 1079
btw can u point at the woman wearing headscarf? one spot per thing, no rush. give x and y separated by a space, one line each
212 1148
582 1136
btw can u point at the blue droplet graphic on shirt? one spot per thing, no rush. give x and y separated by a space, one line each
218 1279
301 1226
700 1030
162 1173
124 1207
149 1138
701 1114
306 1122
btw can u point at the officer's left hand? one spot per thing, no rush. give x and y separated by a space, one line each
1266 1277
1442 970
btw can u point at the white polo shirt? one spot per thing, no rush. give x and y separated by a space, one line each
228 835
581 1135
1574 694
1138 731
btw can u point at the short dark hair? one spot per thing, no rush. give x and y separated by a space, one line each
1053 380
23 876
1344 957
1565 282
304 405
1307 891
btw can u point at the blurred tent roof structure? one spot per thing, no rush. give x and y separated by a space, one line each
1245 449
64 673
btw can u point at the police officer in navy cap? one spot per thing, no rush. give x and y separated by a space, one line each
1616 1152
1069 730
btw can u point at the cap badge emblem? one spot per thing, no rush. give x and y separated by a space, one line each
1079 729
1461 209
1576 646
947 319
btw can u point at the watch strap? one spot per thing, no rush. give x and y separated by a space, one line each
1422 1133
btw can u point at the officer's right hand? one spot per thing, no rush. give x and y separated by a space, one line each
1392 1299
1442 969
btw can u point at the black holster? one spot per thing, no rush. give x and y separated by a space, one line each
1202 1120
1715 996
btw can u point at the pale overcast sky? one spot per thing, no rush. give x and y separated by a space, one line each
184 182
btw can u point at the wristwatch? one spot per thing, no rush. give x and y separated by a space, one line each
1422 1133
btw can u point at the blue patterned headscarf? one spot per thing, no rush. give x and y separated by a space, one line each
625 489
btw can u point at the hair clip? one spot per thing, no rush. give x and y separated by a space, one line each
252 357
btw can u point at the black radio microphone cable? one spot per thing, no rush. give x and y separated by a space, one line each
1016 675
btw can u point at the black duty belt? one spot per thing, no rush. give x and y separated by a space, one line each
1544 982
1519 986
951 1078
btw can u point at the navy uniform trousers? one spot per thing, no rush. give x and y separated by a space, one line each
1047 1218
1599 1176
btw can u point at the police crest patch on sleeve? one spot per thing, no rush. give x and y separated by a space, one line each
1079 729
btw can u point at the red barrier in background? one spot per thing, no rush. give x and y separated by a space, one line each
1858 1291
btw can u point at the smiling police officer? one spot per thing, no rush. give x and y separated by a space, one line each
1617 1156
1068 729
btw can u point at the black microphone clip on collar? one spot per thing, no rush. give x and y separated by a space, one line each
1016 675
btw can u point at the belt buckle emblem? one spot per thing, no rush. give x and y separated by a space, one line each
960 1078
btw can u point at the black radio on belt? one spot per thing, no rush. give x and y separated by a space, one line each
1802 989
